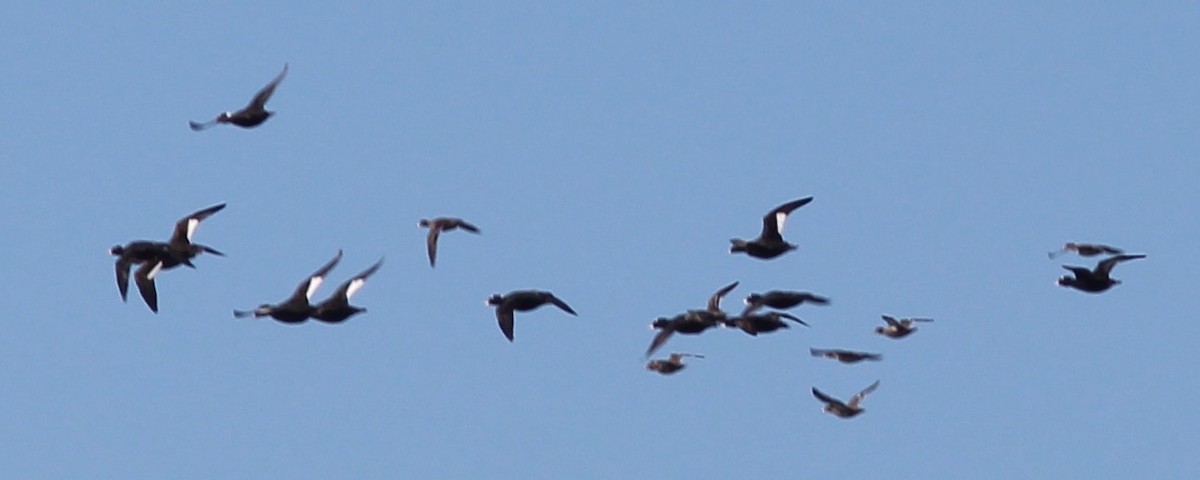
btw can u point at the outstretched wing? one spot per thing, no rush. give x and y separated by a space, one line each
186 226
774 221
859 396
504 316
260 99
309 286
826 398
1105 266
561 304
714 302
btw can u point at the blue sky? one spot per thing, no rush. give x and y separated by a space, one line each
608 151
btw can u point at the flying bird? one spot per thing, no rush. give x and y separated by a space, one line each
848 409
845 356
899 328
672 364
337 308
1086 249
691 322
521 301
253 114
436 227
762 323
1096 280
157 256
770 243
780 300
296 308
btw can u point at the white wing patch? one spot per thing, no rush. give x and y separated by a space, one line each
154 271
313 284
191 227
780 219
355 286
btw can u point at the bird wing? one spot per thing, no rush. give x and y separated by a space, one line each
561 304
186 226
435 229
1105 266
260 99
774 221
144 278
504 316
714 302
309 286
123 266
466 226
826 398
859 396
659 340
891 321
356 283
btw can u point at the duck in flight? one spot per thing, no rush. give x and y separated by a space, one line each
672 364
770 243
337 308
521 301
847 409
899 328
781 300
253 114
296 308
1095 280
691 322
438 225
1086 249
845 356
154 257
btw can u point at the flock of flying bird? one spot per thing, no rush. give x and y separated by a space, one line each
153 257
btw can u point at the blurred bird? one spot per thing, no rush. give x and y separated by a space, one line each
1086 249
781 300
296 308
436 227
845 356
770 243
337 308
762 323
254 114
848 409
521 301
691 322
672 364
899 328
1096 280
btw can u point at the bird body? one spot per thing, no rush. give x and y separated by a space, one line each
848 409
296 308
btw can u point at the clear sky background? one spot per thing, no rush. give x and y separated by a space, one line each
608 151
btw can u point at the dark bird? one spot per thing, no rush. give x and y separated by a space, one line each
899 328
296 308
1086 249
769 243
253 114
521 301
180 247
692 322
781 300
337 308
848 409
1096 280
157 256
672 364
845 356
762 323
439 225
